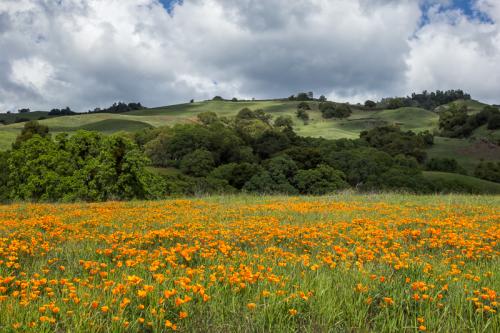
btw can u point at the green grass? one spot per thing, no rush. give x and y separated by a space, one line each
112 126
475 184
467 152
409 118
9 118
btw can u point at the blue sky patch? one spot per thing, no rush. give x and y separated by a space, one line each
169 4
466 6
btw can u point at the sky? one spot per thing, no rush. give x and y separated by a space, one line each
91 53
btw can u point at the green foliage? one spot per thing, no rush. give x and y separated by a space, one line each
453 122
331 110
456 123
360 163
370 104
494 122
284 122
207 118
395 103
444 165
236 174
31 129
488 171
4 176
321 180
394 141
303 115
199 163
303 106
270 143
119 107
86 166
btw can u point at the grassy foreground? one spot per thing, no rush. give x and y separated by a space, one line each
382 263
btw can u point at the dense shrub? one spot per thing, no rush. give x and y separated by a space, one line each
85 166
394 141
488 171
444 165
321 180
199 163
332 110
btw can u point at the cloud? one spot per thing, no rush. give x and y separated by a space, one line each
88 53
455 51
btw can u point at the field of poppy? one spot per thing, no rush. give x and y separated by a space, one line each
346 263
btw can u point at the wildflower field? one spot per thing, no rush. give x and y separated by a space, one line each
347 263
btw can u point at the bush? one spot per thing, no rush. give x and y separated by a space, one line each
488 171
303 115
494 122
86 166
394 141
332 110
370 104
444 165
303 106
322 180
199 163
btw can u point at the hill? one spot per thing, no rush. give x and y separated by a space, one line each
467 152
473 184
409 118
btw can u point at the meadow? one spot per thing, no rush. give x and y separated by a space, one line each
343 263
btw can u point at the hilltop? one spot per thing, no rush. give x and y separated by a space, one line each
481 145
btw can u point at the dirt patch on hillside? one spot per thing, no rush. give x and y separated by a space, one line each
482 150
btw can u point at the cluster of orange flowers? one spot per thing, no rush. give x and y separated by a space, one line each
159 263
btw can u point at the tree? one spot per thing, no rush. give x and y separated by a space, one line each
270 143
394 141
284 122
444 165
217 98
453 122
191 101
370 104
31 129
264 183
488 171
322 98
395 103
26 110
234 99
207 118
303 106
303 97
332 110
236 174
302 114
4 176
39 171
199 163
494 122
322 180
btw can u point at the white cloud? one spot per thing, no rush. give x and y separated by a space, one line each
454 51
87 53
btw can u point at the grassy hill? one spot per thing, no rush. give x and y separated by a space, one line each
468 152
475 184
409 118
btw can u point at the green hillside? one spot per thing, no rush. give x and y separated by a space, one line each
415 119
468 152
476 185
